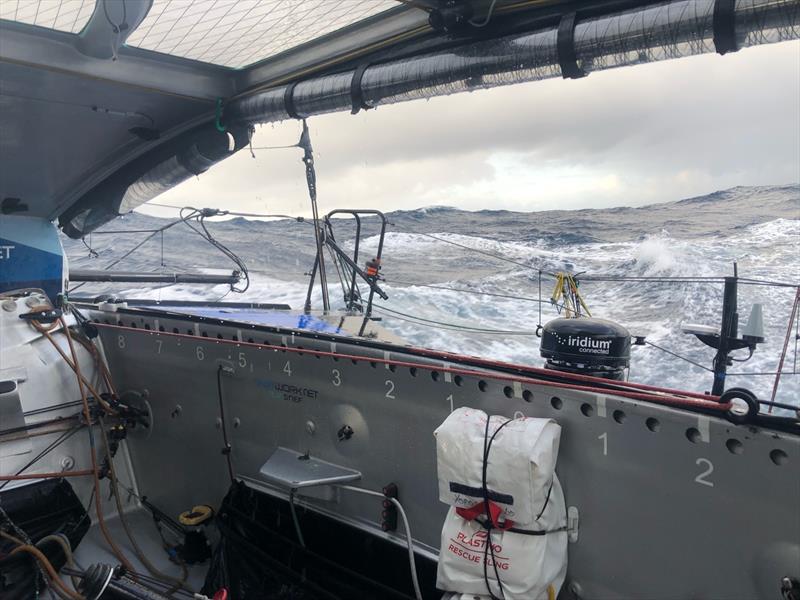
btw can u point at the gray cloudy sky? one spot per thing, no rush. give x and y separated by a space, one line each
631 136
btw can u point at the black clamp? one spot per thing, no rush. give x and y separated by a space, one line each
288 101
565 47
45 315
356 91
724 25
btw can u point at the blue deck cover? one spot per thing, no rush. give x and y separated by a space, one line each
253 316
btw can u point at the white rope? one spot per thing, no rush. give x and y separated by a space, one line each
409 541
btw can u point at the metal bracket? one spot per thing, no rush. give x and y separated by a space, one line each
573 520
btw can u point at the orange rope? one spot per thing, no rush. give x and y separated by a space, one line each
38 555
97 497
81 473
46 333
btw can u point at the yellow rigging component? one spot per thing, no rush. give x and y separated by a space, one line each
567 294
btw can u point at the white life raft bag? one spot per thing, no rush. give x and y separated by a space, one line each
527 554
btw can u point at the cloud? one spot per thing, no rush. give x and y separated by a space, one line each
628 136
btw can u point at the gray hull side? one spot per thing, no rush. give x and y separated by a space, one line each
661 516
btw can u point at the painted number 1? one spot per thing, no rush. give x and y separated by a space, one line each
604 437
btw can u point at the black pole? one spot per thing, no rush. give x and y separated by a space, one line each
729 331
311 285
92 276
311 180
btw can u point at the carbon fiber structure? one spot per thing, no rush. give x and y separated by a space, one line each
665 31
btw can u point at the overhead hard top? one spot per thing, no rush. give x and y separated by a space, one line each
86 87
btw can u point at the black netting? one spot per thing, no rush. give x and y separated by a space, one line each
660 32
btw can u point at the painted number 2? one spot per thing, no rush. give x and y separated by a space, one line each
390 390
701 479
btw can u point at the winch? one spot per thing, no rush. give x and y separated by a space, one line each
587 346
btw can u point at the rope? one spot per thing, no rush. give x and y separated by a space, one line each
785 347
174 582
87 414
477 250
676 355
450 326
55 580
226 449
409 540
58 441
475 292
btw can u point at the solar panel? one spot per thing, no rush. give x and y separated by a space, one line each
62 15
236 33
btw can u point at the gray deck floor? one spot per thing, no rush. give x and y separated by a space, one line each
94 549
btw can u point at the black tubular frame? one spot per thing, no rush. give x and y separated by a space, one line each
350 287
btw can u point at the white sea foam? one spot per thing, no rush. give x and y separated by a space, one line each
767 251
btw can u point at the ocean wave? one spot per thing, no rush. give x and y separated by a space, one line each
690 238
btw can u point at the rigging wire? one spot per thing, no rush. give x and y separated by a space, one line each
199 217
477 250
175 583
132 250
53 445
450 326
475 292
106 378
92 252
226 448
111 112
223 213
676 355
488 17
95 471
52 575
642 279
785 346
187 214
607 278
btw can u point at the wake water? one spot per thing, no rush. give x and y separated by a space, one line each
759 228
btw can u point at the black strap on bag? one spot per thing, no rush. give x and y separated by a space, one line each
725 26
565 47
288 101
356 92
